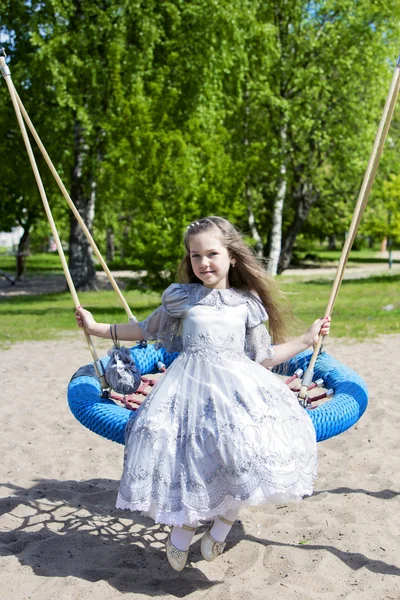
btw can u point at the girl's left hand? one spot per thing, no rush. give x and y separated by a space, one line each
319 326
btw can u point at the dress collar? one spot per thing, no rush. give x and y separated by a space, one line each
200 294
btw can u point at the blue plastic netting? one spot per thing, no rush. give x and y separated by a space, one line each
331 418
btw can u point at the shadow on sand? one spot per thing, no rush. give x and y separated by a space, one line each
69 528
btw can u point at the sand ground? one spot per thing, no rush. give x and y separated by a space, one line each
62 539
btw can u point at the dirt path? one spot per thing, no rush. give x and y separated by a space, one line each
45 284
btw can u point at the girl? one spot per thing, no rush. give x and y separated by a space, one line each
219 431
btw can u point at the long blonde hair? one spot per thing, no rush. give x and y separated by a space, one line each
248 272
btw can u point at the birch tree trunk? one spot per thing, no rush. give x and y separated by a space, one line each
304 199
110 252
332 242
22 252
276 229
81 263
259 246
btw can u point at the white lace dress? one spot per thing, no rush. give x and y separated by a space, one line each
219 430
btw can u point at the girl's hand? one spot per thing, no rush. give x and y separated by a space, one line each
84 318
319 326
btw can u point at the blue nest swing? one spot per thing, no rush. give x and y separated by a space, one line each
109 420
106 418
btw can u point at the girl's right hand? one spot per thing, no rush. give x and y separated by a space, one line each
84 318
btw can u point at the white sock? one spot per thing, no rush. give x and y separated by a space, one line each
220 530
181 538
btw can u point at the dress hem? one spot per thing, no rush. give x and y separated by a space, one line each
188 516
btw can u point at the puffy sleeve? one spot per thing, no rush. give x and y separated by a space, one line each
258 341
163 326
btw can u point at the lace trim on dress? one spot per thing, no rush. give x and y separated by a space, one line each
200 294
188 516
203 347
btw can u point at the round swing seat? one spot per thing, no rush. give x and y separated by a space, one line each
109 420
350 393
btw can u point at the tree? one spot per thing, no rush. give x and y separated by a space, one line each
382 214
175 154
168 111
70 52
19 198
322 79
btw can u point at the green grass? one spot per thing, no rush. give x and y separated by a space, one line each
46 316
356 256
36 264
358 311
359 308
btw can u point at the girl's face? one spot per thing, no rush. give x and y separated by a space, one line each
210 259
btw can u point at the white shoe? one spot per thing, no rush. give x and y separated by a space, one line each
177 558
210 548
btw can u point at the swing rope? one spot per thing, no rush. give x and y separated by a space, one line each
70 203
7 76
362 200
75 211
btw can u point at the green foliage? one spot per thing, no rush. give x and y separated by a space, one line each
186 107
382 216
333 75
